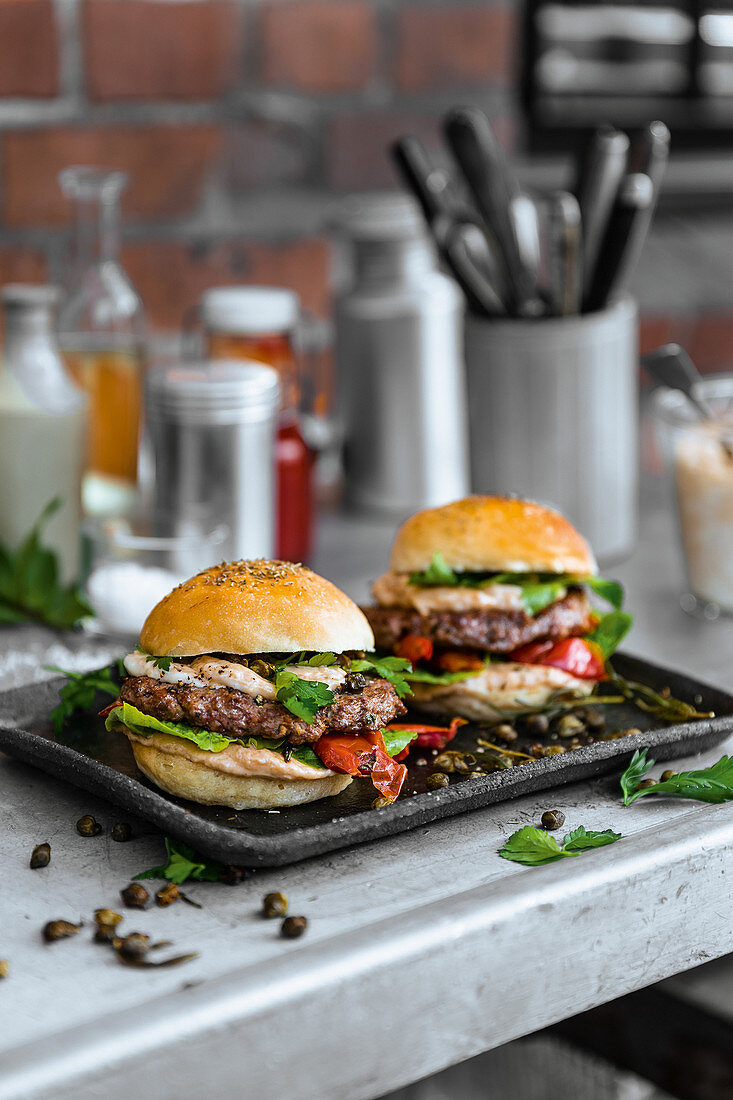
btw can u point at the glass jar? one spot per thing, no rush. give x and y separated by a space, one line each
101 332
700 455
258 322
43 425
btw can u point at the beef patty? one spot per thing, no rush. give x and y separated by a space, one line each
227 711
491 630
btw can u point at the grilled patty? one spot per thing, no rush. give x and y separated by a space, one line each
493 631
236 713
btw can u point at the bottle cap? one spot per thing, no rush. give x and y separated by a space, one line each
250 310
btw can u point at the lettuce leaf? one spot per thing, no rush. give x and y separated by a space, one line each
396 740
611 631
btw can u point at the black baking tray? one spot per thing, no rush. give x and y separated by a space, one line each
100 762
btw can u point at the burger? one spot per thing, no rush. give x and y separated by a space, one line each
487 598
254 686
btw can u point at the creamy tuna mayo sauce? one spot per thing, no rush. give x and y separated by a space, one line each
704 479
395 590
214 672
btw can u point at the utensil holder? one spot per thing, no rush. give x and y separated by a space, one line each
553 414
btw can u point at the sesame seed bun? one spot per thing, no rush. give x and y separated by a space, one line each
492 535
255 607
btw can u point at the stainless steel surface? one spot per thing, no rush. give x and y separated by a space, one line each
553 416
210 437
400 374
426 935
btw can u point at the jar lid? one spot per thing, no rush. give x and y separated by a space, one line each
393 216
250 310
223 391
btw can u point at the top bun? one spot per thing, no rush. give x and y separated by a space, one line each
255 607
492 535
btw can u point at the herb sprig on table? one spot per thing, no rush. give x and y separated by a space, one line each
713 784
534 847
184 863
79 693
30 588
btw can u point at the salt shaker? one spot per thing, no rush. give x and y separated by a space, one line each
400 365
210 446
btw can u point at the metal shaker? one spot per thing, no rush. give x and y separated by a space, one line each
210 443
399 364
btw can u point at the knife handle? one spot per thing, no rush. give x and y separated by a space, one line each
601 169
624 237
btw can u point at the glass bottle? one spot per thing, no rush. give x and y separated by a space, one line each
43 427
101 331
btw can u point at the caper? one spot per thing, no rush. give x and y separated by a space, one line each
540 751
380 802
292 927
121 831
263 668
647 783
275 905
40 856
134 946
4 968
569 725
354 683
668 774
135 896
105 933
445 762
594 720
476 775
552 819
107 918
59 930
437 780
232 875
88 826
537 725
505 732
167 895
629 732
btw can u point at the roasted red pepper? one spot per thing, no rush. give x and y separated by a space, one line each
428 737
414 648
363 754
577 656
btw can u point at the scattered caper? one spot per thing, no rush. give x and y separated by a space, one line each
476 775
134 946
380 802
505 732
629 732
232 875
59 930
668 774
167 895
594 720
437 780
540 751
88 826
292 927
537 725
647 783
4 968
354 683
121 831
569 725
107 918
135 896
445 762
40 856
275 905
552 819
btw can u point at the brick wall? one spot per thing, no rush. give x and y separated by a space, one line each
241 122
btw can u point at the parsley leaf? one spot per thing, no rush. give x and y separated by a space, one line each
397 740
438 573
163 663
30 588
394 669
301 697
534 847
610 591
611 631
80 691
182 864
713 784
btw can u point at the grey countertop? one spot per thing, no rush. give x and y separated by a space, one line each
421 950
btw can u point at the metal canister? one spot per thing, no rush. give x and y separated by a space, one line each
400 365
210 441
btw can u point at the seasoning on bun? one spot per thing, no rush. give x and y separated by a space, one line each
487 597
252 688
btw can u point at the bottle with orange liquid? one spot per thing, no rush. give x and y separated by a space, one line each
258 322
101 333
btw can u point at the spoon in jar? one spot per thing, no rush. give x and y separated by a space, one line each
671 366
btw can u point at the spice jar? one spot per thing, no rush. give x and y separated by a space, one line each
259 322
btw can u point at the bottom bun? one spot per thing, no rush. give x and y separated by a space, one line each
199 783
504 686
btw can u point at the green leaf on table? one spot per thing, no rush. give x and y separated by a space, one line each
182 864
611 631
30 589
396 670
534 847
713 784
80 691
